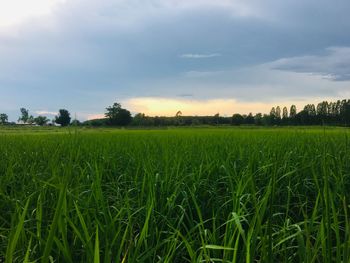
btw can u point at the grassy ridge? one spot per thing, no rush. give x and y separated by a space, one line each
191 195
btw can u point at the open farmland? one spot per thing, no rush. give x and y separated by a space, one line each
177 195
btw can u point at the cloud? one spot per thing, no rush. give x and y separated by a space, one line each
15 12
92 116
333 64
258 83
43 112
185 95
199 56
88 53
201 74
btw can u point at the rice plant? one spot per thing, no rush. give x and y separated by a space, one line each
176 195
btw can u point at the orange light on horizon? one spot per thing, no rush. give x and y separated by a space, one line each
169 107
152 106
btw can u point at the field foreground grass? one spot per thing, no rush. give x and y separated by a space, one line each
191 195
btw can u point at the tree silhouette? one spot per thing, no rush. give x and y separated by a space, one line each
285 113
278 112
24 115
237 119
3 118
41 120
117 115
293 111
63 118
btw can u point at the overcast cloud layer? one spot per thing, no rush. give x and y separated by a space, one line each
88 54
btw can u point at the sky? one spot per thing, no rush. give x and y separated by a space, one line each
159 56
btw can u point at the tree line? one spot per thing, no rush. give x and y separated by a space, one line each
63 118
324 113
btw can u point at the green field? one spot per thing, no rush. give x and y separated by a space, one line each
175 195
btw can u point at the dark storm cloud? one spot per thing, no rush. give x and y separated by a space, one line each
334 64
122 49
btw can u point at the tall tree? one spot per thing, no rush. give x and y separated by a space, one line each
63 118
322 109
309 114
3 118
285 113
273 118
322 112
24 115
178 118
178 114
117 115
278 112
273 112
293 111
347 113
217 118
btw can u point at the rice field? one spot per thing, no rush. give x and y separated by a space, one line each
176 195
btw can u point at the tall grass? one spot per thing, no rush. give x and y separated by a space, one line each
201 195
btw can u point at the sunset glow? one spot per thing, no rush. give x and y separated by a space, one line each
225 107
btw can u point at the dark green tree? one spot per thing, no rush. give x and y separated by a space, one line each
347 113
41 120
237 119
273 112
178 117
258 119
31 120
249 119
63 118
117 115
284 120
3 118
309 114
278 112
285 113
76 122
24 116
322 109
139 119
217 118
293 111
273 116
322 112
